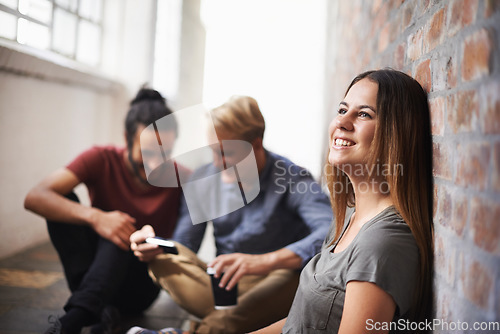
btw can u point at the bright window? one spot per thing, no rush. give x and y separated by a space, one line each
72 28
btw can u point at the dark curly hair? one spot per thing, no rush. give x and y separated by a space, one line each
147 107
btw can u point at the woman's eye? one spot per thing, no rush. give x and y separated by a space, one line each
364 114
342 111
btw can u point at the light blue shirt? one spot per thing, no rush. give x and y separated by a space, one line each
291 211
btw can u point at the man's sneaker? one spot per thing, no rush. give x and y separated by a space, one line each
56 327
140 330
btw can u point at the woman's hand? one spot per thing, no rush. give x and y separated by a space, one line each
145 252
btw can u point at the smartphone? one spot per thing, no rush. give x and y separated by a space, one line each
167 245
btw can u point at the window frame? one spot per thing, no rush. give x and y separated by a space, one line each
74 54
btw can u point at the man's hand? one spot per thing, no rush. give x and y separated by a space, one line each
116 226
145 252
234 266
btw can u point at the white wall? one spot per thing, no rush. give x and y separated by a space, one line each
272 50
42 126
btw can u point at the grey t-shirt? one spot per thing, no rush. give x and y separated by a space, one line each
383 252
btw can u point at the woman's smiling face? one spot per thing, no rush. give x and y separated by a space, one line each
352 130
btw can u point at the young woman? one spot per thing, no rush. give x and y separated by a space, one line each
373 274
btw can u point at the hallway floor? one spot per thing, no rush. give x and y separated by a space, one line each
33 287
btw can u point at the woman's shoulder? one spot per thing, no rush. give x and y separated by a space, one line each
388 221
387 233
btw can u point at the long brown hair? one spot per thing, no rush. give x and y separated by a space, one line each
402 140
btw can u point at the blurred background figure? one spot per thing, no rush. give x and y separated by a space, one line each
104 277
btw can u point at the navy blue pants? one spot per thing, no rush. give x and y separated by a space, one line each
98 272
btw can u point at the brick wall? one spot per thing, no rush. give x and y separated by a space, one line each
452 49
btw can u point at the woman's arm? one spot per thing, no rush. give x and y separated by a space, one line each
272 329
366 304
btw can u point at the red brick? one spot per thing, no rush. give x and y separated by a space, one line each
423 75
395 27
435 32
473 165
476 55
460 213
399 57
463 111
372 45
444 307
394 4
462 14
380 18
485 224
414 50
408 12
490 104
384 37
445 258
439 73
445 207
477 283
441 161
444 74
495 172
376 6
452 75
425 6
452 210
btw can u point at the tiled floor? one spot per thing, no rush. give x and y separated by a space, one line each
32 287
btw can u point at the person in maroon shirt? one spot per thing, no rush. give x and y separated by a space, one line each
104 277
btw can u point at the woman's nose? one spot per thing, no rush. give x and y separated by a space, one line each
344 122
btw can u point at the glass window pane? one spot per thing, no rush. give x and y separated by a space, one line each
68 4
89 43
37 9
8 24
33 34
9 3
64 33
91 9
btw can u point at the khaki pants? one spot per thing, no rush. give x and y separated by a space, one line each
262 300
